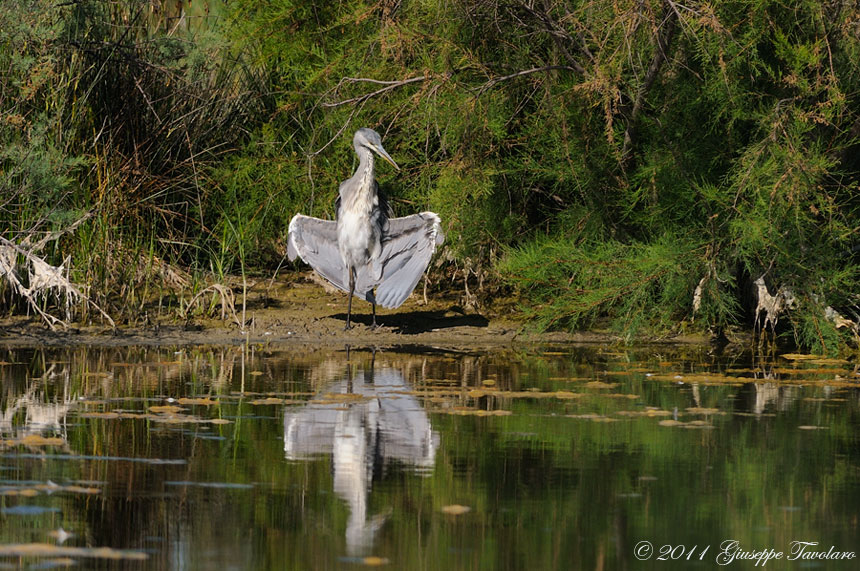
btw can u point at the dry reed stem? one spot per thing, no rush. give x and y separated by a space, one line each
228 302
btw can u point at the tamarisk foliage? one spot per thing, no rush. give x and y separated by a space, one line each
654 163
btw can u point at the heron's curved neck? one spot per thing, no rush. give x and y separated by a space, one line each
365 172
365 161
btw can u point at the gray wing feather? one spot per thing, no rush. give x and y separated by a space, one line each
407 247
315 241
408 244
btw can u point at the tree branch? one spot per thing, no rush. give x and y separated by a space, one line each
561 37
496 80
389 85
665 33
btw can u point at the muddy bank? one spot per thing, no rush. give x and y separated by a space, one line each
302 312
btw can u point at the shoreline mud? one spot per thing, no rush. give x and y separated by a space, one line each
304 313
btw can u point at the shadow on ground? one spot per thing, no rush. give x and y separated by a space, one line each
415 322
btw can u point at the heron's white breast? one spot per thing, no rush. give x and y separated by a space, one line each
357 239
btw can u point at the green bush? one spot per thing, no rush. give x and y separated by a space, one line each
642 162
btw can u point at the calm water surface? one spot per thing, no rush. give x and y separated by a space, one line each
250 458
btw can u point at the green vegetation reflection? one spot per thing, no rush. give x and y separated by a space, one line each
278 459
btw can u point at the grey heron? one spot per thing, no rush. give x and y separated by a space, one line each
366 248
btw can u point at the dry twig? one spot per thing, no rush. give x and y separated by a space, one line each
43 279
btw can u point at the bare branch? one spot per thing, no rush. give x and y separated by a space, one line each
394 82
389 85
497 80
362 99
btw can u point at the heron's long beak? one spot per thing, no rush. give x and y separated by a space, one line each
381 152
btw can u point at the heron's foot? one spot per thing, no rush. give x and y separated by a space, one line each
347 327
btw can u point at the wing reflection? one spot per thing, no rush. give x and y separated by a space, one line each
381 425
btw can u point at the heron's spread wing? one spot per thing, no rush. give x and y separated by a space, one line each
315 241
407 246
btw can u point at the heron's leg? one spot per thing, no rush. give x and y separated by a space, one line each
351 291
374 313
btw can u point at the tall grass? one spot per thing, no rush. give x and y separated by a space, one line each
632 288
117 112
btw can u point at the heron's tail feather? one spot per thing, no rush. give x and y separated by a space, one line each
407 247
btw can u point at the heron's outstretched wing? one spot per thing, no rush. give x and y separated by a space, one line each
407 246
315 241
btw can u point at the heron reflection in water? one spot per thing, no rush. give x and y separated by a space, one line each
365 248
363 437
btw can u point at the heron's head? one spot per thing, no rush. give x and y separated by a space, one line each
370 139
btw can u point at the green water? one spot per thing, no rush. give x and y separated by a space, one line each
253 458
